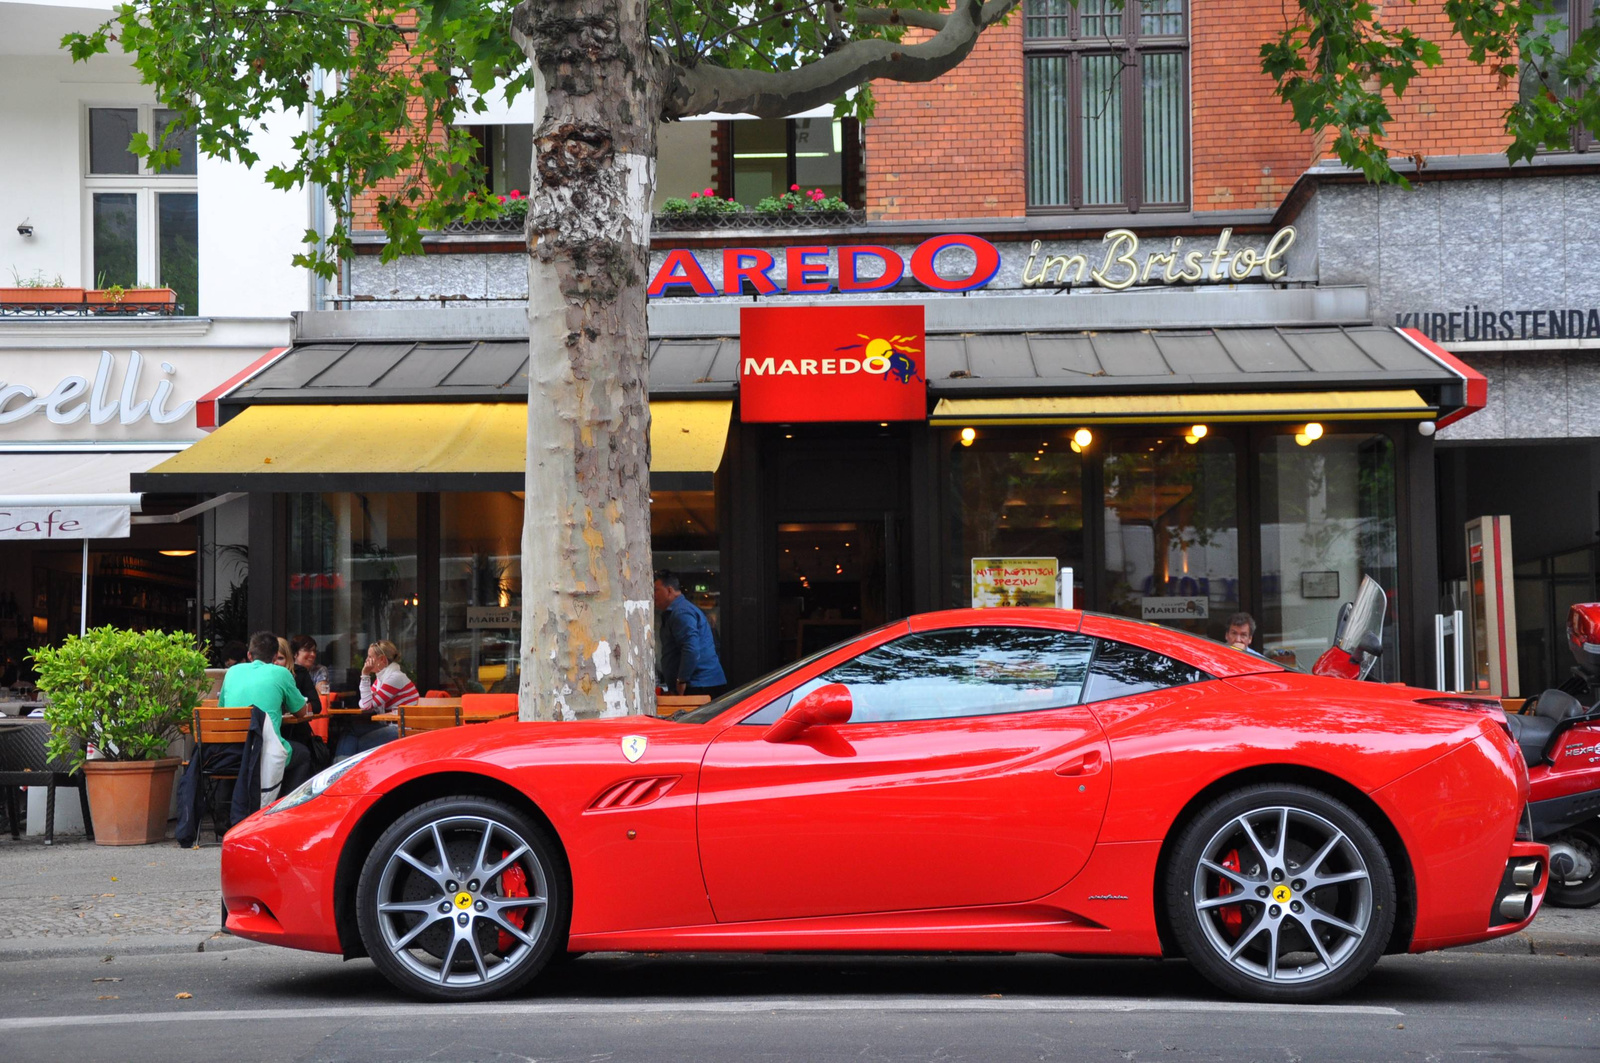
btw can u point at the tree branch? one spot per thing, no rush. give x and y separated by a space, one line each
774 94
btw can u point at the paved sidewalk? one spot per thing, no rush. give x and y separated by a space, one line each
76 897
80 898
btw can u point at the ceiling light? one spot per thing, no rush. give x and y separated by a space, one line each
967 436
177 553
1313 430
1199 431
1303 439
1083 437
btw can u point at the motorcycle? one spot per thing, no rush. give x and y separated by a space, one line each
1558 733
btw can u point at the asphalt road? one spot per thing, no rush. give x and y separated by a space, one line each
256 1003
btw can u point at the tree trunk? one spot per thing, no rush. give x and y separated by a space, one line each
587 613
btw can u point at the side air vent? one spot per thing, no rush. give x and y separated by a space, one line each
632 793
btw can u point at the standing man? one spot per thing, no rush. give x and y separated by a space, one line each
263 684
689 662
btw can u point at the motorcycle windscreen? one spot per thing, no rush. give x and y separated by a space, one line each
1365 619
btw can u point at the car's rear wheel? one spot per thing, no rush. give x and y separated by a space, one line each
1281 893
463 898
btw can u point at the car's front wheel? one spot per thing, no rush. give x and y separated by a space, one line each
463 898
1281 893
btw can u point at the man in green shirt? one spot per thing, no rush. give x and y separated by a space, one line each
270 688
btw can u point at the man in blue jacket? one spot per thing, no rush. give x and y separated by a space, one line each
689 662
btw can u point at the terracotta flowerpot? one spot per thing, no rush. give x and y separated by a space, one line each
131 301
41 296
129 799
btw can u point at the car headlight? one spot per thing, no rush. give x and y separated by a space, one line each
318 782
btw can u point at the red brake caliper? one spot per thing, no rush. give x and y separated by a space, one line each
513 883
1232 915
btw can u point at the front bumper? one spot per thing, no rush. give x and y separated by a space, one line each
278 873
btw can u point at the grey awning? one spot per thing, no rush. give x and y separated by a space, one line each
972 364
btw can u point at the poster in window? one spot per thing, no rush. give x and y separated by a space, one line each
999 582
1319 584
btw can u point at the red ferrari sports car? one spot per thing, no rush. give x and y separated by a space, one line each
999 780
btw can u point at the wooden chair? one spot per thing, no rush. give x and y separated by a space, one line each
214 728
414 719
667 704
489 702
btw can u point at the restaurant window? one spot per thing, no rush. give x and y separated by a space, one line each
1171 530
1328 518
683 541
1541 78
143 224
353 578
480 592
1107 104
768 155
1014 495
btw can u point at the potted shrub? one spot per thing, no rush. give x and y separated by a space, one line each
38 290
116 702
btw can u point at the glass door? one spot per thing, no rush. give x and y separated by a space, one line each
833 583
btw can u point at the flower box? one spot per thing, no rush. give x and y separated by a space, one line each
759 219
41 296
132 300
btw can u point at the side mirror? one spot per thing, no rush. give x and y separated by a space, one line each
823 707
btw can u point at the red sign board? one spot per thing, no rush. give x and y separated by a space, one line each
832 363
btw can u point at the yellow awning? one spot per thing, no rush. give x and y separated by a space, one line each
425 440
1175 409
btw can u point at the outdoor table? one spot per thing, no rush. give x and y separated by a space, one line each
467 716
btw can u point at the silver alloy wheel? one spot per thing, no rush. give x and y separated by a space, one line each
1300 895
442 902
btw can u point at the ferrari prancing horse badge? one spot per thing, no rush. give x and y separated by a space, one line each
633 747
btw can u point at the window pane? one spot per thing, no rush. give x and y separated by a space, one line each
1327 519
1160 18
1171 528
1102 130
1048 137
760 159
1163 128
1047 18
181 138
480 592
116 239
967 672
1532 85
1121 670
1015 496
353 578
516 158
178 236
110 129
819 155
1099 18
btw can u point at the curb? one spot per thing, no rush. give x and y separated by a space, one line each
19 950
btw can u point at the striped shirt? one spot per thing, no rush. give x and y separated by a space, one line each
389 688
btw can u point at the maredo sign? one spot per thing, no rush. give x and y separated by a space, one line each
832 363
1121 263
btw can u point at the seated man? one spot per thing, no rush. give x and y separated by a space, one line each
261 683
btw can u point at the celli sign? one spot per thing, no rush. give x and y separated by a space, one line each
832 363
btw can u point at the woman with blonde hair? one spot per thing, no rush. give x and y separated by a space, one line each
383 686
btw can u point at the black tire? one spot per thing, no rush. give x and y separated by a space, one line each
1307 939
439 933
1583 893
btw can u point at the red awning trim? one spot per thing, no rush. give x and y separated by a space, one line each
205 408
1477 385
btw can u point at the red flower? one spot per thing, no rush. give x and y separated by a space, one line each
694 195
501 198
708 192
794 188
515 194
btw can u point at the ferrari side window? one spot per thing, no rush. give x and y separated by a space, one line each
1120 670
980 671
